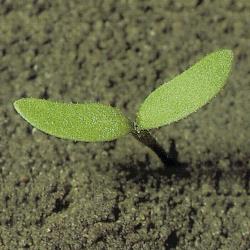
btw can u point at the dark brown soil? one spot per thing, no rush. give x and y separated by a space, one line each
57 194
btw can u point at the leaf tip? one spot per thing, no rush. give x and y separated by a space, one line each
16 105
228 53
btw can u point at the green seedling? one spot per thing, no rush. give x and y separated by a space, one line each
172 101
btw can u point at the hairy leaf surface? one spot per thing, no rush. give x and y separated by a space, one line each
80 122
187 92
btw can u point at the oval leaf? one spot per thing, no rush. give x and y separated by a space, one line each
80 122
187 92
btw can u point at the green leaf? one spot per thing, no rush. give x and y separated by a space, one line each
187 92
80 122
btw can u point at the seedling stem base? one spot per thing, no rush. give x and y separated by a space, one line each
144 137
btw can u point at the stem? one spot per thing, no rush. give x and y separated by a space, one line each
148 140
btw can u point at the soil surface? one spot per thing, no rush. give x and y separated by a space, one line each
57 194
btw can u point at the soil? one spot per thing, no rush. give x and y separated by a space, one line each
57 194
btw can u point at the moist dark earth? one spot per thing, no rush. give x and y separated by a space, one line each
59 194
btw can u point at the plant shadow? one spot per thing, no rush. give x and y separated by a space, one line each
141 170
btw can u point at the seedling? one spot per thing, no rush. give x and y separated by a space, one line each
172 101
